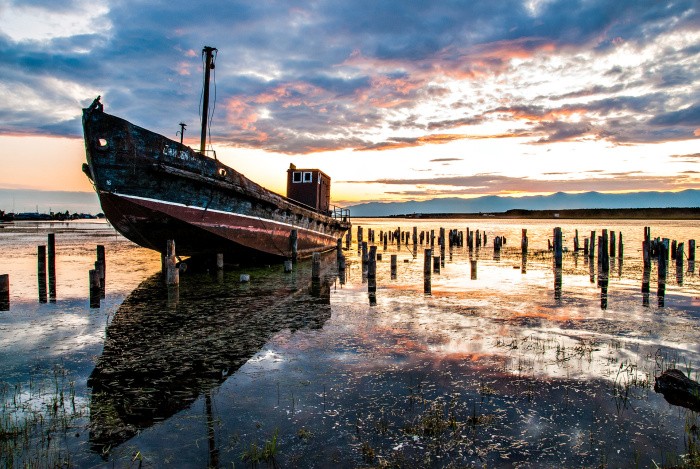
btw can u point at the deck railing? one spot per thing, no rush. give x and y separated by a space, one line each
340 213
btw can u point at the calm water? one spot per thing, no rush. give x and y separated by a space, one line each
504 370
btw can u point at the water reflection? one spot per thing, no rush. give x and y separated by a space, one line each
167 346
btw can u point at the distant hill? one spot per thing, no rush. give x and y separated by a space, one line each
558 201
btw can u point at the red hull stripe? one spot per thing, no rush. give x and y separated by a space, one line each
216 223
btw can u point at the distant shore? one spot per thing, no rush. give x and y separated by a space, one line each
588 213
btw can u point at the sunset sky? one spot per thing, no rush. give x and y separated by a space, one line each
395 100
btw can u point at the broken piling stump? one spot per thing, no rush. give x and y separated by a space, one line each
678 389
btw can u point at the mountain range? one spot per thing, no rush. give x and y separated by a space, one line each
87 202
557 201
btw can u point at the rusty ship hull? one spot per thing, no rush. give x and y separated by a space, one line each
153 189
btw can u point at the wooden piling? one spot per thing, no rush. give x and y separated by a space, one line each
662 271
427 260
591 253
523 243
172 273
220 261
372 262
316 266
102 260
473 269
691 250
348 240
612 244
95 288
585 246
288 266
294 244
372 270
51 243
436 264
394 264
41 272
4 292
558 248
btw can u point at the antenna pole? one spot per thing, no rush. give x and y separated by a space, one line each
208 65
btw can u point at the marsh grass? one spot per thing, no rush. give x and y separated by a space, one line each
36 419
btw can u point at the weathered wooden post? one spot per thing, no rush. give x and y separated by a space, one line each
101 267
662 271
172 273
646 253
342 264
604 291
673 250
95 288
436 264
348 240
585 247
220 260
339 249
365 255
605 252
288 266
394 262
523 243
591 253
372 270
473 269
576 247
691 250
415 235
359 238
432 238
294 244
646 280
41 272
52 266
316 267
478 239
427 258
680 254
4 292
612 243
558 249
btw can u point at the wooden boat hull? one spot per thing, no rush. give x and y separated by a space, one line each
153 189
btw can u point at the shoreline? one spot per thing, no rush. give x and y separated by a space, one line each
568 214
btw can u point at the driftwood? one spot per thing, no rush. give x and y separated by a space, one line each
678 389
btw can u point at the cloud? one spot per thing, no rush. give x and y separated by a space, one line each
299 77
498 184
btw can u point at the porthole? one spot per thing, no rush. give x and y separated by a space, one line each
222 172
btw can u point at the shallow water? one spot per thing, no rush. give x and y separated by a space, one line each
504 370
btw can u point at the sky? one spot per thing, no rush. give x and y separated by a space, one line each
395 100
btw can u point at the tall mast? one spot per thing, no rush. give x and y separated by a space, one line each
208 65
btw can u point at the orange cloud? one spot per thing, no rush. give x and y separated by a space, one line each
239 113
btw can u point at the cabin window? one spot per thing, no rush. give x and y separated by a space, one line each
308 177
103 142
222 172
296 176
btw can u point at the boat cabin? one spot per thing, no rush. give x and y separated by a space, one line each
311 187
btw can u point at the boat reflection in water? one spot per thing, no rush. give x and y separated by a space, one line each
163 350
